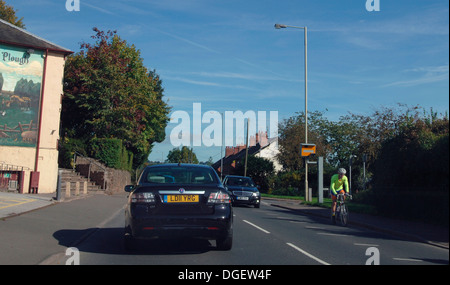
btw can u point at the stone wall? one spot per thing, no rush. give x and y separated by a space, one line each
111 180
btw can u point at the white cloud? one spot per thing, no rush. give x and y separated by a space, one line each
429 74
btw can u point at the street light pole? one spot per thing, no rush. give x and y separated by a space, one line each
280 26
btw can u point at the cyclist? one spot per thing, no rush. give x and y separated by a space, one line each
338 182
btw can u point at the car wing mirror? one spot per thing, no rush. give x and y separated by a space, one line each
129 188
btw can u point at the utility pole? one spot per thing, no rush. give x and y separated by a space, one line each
246 149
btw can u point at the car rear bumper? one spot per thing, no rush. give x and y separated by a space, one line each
207 227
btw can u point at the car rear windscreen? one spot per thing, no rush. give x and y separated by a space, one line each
179 175
240 181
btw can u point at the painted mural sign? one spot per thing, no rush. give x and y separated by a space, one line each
21 72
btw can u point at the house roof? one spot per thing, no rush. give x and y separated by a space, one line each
236 157
13 35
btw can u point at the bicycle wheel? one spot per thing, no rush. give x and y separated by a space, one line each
344 215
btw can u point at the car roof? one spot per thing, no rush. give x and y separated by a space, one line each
180 165
237 176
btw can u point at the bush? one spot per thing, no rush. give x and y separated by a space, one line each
111 152
289 191
67 148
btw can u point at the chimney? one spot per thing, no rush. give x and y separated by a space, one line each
229 151
253 141
263 139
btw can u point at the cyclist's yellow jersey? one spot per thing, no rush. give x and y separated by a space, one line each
337 184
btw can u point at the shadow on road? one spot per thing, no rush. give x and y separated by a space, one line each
319 223
111 241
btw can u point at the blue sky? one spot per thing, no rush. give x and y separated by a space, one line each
228 56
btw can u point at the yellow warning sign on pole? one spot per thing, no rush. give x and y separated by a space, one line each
307 149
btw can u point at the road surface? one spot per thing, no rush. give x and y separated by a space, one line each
265 236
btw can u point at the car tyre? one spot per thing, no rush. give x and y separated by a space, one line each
225 243
257 205
128 241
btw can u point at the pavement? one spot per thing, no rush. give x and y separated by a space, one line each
14 204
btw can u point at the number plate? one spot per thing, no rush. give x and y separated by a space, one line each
181 198
242 198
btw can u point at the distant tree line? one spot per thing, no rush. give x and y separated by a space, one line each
407 158
182 155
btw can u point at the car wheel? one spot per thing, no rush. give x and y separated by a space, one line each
225 243
257 205
128 241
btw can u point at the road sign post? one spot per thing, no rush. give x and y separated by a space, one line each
320 179
307 150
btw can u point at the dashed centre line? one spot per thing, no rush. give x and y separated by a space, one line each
407 259
291 245
307 254
259 228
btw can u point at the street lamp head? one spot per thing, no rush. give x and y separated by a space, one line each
280 26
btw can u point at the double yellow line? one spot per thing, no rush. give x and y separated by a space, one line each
13 202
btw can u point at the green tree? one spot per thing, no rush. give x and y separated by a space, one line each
259 169
183 155
292 134
8 14
109 93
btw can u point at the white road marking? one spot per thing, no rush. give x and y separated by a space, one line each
283 218
330 234
308 254
259 228
407 259
366 244
314 228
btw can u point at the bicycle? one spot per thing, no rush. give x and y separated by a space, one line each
341 208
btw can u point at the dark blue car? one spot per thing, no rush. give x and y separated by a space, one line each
179 200
243 190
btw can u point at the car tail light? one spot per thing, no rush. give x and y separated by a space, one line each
145 197
219 198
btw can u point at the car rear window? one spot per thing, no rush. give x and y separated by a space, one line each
179 174
240 181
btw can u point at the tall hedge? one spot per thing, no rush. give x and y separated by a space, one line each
411 177
111 152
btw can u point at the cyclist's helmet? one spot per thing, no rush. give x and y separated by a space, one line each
342 171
